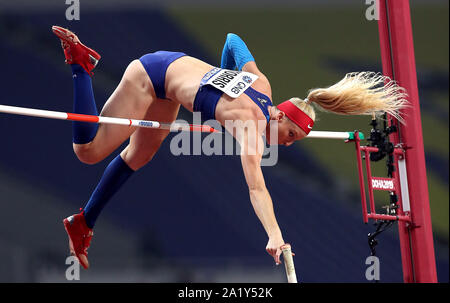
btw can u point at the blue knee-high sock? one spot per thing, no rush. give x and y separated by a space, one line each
83 103
113 178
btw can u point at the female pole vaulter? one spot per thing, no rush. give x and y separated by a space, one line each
154 86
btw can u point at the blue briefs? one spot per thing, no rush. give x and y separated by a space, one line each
156 65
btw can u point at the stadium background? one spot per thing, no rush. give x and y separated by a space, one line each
189 218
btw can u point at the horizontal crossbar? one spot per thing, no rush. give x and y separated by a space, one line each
334 135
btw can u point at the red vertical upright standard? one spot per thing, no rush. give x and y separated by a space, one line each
397 53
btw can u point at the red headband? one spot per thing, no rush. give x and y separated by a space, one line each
297 116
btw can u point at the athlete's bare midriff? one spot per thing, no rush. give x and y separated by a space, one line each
183 78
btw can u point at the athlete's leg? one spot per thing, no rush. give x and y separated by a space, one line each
82 60
144 143
131 99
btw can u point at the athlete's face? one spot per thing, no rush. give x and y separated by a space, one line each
288 131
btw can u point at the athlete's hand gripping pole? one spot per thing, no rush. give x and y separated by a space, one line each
289 263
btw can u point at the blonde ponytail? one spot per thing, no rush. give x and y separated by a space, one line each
362 93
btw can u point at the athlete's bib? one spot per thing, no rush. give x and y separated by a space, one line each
231 82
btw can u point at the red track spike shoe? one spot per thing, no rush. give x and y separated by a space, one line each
75 51
80 236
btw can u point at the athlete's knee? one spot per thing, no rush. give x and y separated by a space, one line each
87 154
140 161
137 158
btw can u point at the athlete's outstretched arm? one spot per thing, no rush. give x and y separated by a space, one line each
251 156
